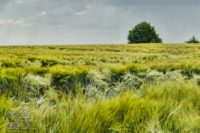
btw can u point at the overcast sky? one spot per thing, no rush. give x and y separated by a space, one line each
94 21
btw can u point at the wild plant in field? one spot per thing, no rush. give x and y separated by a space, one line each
197 79
153 76
38 81
92 92
130 81
6 105
37 84
98 78
127 82
13 87
173 76
98 82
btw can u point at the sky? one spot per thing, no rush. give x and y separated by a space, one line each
95 21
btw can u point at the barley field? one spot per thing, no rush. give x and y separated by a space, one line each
124 88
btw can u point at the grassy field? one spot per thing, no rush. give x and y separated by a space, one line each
100 88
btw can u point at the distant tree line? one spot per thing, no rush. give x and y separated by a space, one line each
145 33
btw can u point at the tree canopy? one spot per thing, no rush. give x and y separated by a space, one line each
143 33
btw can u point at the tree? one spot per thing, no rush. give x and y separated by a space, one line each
192 40
143 33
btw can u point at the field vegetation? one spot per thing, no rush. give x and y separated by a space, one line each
100 88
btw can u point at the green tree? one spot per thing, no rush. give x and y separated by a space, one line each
192 40
143 33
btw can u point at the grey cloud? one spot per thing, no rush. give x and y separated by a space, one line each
3 2
94 21
152 2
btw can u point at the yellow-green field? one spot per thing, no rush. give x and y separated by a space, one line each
100 88
65 59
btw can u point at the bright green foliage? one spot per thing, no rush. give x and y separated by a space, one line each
143 33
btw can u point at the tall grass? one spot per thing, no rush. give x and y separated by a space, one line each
169 107
100 88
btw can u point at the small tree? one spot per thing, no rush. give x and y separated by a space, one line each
143 33
192 40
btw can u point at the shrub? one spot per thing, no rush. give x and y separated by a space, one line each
193 40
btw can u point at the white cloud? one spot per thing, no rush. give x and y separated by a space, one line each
85 11
81 13
12 22
19 1
6 21
14 2
20 21
43 13
23 1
